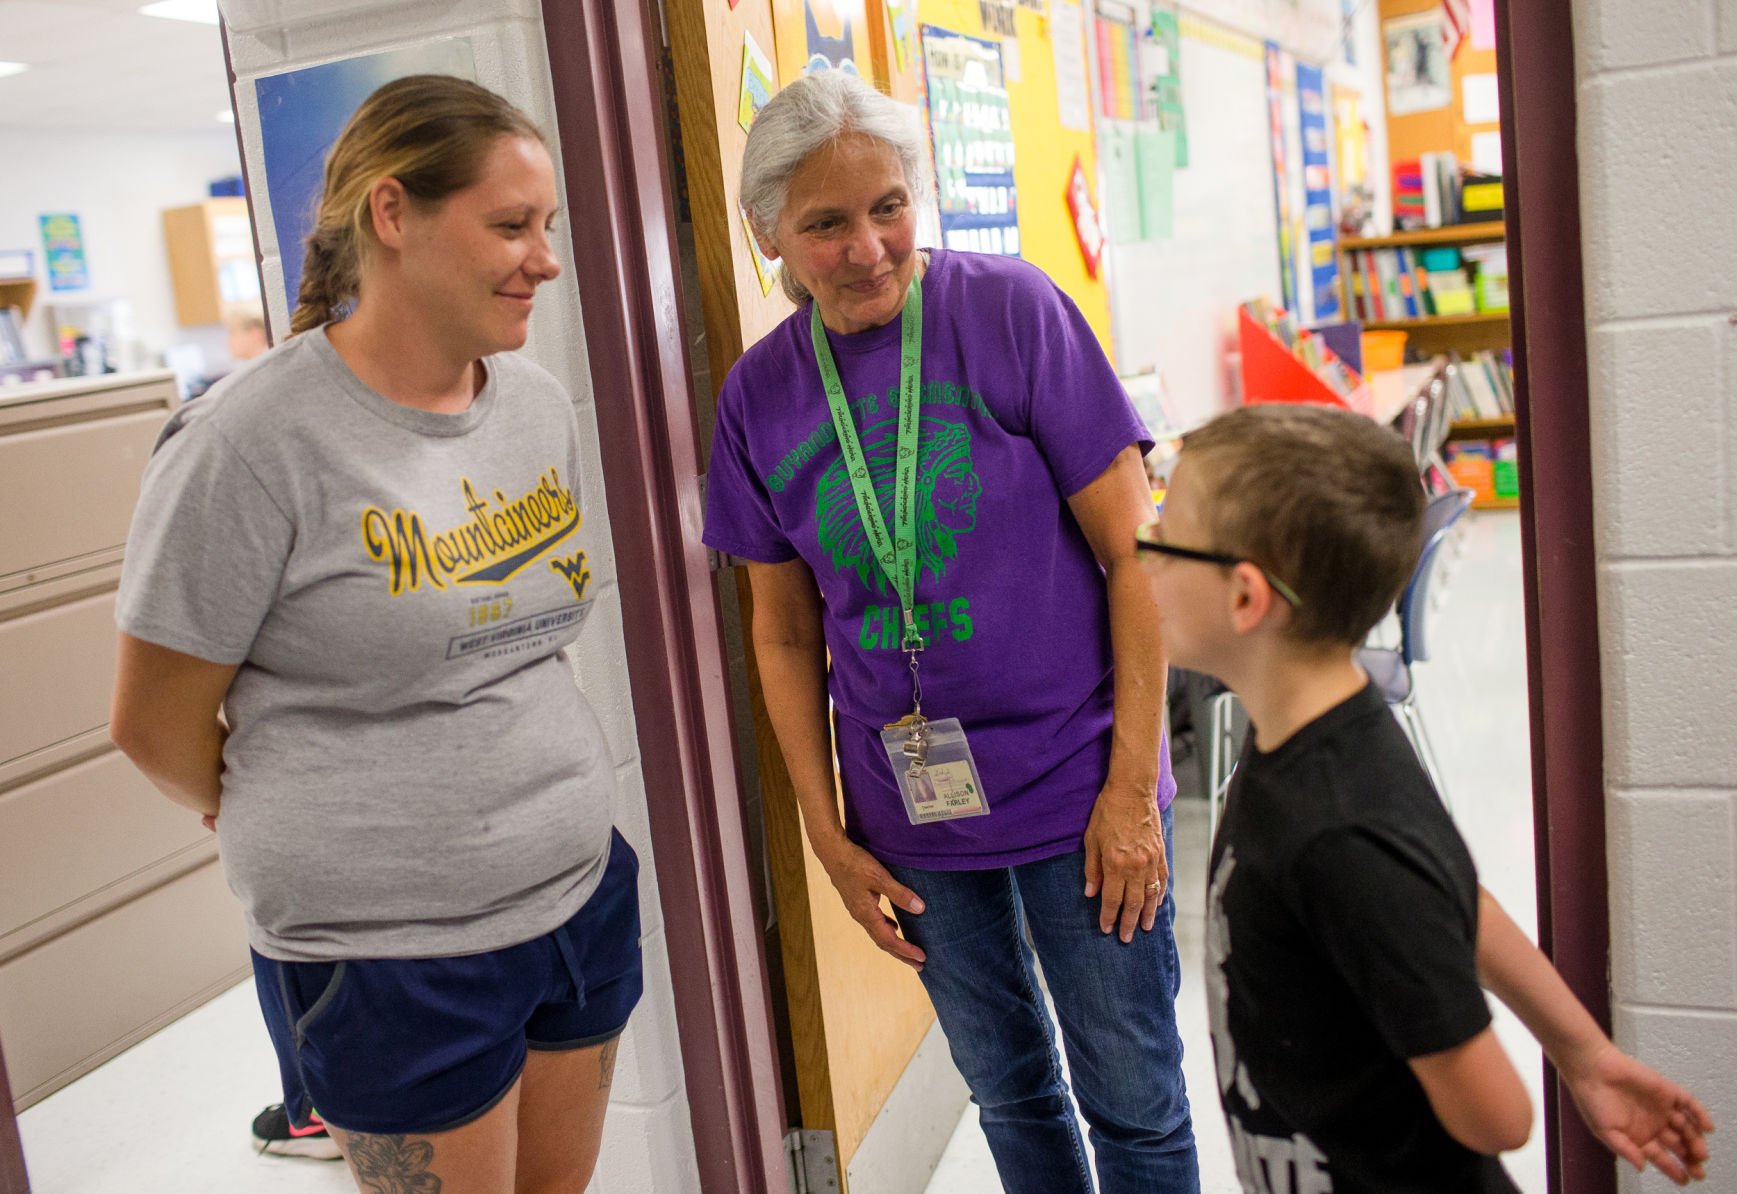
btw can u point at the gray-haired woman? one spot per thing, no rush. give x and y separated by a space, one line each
936 477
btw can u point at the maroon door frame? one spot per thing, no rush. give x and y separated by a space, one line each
609 105
1534 47
13 1179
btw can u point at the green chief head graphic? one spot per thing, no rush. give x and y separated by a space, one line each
947 491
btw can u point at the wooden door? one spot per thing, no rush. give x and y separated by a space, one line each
856 1016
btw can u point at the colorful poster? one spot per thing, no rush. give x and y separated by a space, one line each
831 37
757 85
301 113
971 129
1166 72
814 35
1352 138
63 251
1118 76
1318 223
1276 83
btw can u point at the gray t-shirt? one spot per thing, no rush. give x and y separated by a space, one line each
411 770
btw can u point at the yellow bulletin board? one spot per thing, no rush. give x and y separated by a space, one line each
1044 152
810 30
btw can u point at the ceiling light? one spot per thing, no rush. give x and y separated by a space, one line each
227 116
13 68
203 11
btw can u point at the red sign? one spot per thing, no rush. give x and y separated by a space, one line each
1088 229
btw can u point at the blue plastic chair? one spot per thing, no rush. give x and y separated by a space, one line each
1389 668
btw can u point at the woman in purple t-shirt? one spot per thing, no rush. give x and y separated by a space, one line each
936 477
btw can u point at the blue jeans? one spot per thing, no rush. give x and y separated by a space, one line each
1117 1009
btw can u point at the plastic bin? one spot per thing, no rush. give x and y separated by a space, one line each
1383 350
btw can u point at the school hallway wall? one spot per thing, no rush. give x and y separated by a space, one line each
1657 94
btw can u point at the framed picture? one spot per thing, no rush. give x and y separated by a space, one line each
1418 76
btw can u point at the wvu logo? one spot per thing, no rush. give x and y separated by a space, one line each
490 547
577 573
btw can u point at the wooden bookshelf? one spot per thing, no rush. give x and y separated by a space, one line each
1432 334
1478 429
1450 234
18 292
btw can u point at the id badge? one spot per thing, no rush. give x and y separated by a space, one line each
934 770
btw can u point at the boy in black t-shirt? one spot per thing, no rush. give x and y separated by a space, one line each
1347 933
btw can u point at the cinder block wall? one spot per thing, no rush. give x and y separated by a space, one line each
1657 89
648 1141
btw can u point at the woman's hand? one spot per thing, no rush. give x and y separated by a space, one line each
862 883
1125 859
1641 1115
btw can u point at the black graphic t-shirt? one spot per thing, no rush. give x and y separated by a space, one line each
1341 940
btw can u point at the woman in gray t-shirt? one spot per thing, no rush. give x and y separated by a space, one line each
365 548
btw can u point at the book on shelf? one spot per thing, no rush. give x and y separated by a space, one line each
1391 284
1489 468
1408 202
1481 386
1426 191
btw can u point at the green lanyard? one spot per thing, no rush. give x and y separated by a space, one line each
897 552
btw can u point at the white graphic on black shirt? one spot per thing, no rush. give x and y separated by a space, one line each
1266 1164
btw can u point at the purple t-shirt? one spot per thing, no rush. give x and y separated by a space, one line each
1020 410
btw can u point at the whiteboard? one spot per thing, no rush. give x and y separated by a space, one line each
1173 302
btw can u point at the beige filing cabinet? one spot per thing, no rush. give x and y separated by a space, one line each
114 917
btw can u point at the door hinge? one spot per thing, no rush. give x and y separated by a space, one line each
813 1161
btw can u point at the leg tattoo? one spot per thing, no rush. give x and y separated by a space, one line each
393 1164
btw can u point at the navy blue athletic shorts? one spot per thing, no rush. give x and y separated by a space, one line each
422 1045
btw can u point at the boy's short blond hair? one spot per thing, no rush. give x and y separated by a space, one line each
1325 499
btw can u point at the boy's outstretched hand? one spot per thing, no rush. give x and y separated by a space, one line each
1638 1113
1641 1115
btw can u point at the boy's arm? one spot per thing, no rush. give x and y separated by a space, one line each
1476 1094
1640 1115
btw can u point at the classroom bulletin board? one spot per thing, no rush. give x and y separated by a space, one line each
1448 128
1045 148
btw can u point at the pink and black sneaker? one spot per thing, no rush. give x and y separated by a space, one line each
273 1133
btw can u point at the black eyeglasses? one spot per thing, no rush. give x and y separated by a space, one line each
1146 539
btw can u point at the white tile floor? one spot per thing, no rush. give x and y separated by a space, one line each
171 1114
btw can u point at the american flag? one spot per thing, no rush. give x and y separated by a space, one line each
1458 24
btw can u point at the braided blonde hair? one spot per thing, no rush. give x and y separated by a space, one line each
431 133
